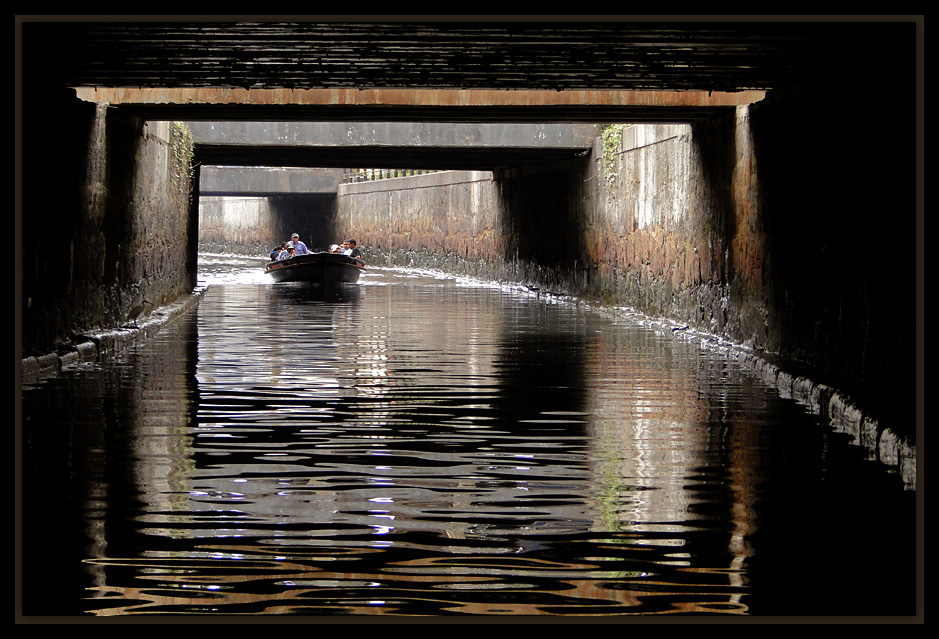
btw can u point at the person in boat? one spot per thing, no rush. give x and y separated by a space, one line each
275 254
335 248
299 246
350 249
289 251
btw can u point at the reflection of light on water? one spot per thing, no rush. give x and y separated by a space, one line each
262 494
227 268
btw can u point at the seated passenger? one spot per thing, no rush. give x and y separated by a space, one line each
275 254
288 251
353 251
298 245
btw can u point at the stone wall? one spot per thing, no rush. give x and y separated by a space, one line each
254 225
234 224
436 220
519 225
835 202
106 220
670 227
739 227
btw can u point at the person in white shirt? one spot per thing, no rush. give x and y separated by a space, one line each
352 250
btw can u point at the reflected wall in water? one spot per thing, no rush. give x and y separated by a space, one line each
102 443
415 445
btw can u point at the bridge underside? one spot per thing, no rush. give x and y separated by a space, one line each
617 53
443 158
623 69
620 70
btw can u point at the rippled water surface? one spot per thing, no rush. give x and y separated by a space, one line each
419 445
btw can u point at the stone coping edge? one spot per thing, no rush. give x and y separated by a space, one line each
96 345
881 444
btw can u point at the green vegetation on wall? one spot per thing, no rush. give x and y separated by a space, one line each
182 154
612 137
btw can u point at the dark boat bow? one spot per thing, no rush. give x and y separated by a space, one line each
316 268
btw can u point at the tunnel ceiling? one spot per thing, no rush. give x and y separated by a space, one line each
614 55
555 58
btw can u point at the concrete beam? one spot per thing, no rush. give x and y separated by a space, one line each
428 105
395 134
418 97
240 180
402 145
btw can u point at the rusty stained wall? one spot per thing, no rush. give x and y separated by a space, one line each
674 231
648 229
517 225
437 220
563 226
751 226
106 220
776 228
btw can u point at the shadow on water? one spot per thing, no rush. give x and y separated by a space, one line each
416 445
299 293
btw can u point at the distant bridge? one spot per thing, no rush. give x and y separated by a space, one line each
389 145
267 181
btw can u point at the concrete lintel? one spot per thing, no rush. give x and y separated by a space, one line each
268 180
418 97
395 134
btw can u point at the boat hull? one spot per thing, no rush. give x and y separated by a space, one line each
316 268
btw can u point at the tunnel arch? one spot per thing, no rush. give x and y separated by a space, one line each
620 71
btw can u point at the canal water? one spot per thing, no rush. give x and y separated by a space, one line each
419 445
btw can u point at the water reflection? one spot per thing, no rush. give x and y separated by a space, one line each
417 445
